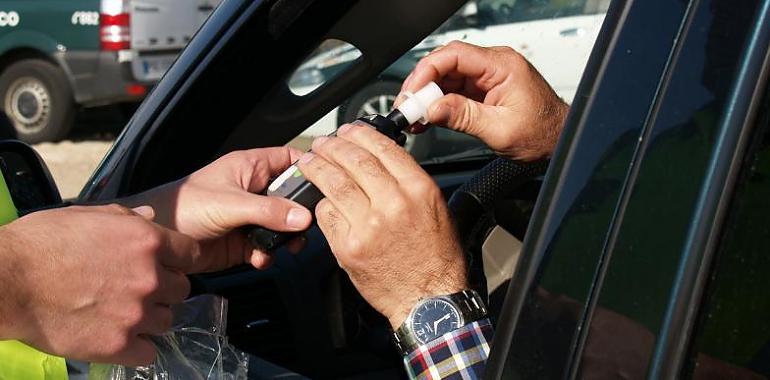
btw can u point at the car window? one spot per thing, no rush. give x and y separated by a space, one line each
558 47
496 12
732 340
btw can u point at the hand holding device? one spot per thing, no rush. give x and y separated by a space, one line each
496 95
293 185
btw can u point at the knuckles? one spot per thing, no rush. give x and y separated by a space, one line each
148 240
426 188
133 315
387 146
342 187
367 163
148 283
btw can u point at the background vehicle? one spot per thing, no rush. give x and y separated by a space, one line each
555 37
58 55
647 246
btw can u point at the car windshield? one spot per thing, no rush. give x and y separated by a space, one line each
555 35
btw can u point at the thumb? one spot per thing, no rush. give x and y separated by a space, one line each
270 212
461 114
147 212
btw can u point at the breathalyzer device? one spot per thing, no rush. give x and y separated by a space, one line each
291 184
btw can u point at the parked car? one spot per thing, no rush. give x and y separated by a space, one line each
56 56
555 37
644 256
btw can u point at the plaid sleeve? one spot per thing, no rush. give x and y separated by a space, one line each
460 354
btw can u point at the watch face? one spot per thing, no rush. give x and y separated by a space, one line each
434 318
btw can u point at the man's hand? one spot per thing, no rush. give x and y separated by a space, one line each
495 95
385 219
92 283
210 204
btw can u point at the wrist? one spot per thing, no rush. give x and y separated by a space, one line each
162 199
559 117
443 285
434 317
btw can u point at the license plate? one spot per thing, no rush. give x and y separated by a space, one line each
151 68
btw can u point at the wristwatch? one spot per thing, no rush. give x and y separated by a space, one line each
435 316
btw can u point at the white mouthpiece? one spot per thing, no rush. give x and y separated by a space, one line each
415 107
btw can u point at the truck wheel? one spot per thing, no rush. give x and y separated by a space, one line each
36 98
378 97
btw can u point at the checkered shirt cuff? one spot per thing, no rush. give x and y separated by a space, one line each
460 354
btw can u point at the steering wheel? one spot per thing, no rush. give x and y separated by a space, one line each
502 194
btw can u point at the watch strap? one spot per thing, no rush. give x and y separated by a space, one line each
469 304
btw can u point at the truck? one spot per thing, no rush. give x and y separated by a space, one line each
57 56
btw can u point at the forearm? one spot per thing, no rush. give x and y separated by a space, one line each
11 322
163 199
438 359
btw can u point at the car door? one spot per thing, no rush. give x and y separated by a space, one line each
229 90
615 274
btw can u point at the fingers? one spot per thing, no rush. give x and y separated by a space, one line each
267 163
146 212
138 351
362 166
456 60
338 187
393 158
260 259
159 319
297 244
464 115
174 287
178 252
278 214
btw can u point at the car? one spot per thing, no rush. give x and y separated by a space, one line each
57 56
644 244
546 33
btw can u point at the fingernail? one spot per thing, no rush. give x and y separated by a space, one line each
306 157
297 218
344 128
399 99
145 211
407 81
439 112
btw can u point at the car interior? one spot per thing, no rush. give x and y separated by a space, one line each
229 90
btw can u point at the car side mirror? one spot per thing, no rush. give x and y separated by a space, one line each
473 21
28 182
470 15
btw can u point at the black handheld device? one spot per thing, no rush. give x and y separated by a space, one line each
291 184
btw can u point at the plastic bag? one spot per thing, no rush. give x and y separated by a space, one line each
196 348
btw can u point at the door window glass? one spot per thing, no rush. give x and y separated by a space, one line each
330 59
732 340
507 11
558 47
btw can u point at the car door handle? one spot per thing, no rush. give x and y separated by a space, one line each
572 32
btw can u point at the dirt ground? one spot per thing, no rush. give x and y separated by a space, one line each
72 161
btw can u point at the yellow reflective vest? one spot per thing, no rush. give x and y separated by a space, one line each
17 360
